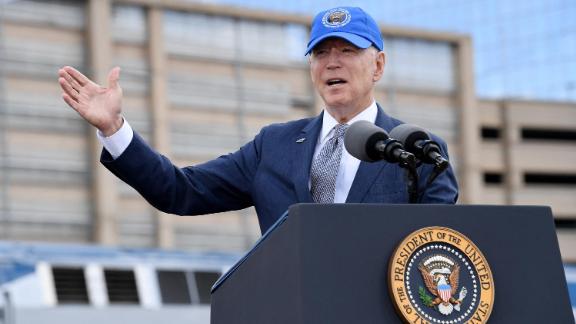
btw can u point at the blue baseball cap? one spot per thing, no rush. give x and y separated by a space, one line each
349 23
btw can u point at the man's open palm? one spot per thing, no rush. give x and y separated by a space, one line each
100 106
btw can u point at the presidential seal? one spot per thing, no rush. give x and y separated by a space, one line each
437 275
336 18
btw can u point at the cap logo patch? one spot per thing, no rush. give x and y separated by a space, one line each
336 18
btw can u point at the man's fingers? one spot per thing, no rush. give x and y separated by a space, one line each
68 89
71 81
113 77
79 77
71 102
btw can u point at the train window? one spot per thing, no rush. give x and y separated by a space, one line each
70 285
121 286
174 287
204 282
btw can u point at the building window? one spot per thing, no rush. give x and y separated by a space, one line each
70 285
121 286
491 133
493 178
549 134
550 179
566 223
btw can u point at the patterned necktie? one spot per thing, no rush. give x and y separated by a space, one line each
325 167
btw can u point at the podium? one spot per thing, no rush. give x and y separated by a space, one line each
330 264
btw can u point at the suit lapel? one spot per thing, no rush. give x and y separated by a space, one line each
304 145
368 172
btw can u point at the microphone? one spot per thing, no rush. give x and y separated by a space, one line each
417 141
368 142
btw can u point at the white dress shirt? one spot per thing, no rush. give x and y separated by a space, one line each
116 143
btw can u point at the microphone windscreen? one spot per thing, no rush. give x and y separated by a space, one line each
408 135
361 138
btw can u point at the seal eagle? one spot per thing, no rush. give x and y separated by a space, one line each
441 275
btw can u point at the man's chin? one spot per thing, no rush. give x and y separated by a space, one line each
336 102
338 105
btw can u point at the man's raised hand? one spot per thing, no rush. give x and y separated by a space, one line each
101 107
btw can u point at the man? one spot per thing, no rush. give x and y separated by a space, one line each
296 162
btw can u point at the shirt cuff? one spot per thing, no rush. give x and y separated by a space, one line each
117 143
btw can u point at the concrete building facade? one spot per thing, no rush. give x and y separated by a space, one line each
199 81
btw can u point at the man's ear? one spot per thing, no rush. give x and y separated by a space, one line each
380 63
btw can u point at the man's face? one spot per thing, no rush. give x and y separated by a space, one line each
344 75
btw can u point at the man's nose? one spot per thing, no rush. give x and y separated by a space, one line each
333 59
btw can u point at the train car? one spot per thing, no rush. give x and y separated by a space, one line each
56 283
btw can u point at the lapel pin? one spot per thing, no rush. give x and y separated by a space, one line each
300 140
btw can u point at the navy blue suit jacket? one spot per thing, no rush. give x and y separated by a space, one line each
270 172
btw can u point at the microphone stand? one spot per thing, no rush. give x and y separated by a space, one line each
409 164
412 185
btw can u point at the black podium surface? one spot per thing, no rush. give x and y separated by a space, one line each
329 264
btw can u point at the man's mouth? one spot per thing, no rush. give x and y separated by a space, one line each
335 81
